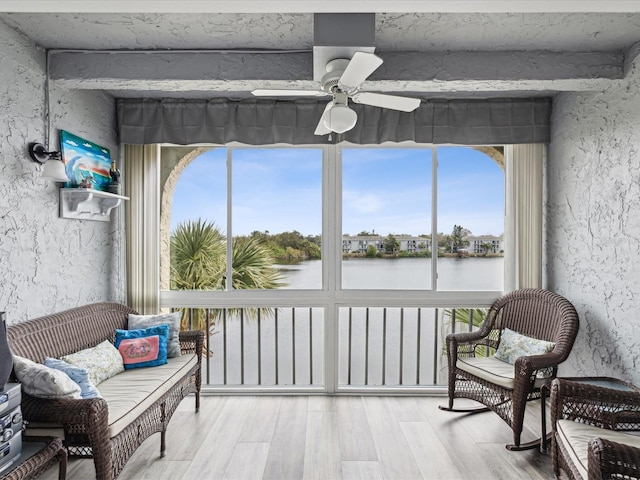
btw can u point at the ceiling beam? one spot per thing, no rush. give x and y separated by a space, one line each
243 71
311 6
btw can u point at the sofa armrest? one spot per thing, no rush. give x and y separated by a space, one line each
594 405
93 412
607 459
192 341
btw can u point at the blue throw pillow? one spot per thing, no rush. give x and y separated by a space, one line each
144 347
78 374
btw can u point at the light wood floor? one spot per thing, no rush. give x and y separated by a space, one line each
317 437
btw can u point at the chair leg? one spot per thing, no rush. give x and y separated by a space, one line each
464 410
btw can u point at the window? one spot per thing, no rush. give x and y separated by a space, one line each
273 221
470 220
386 218
395 233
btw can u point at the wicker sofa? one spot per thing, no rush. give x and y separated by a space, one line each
136 403
592 420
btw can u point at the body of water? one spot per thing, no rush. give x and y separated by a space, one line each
466 273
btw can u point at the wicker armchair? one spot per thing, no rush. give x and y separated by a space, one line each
503 388
588 427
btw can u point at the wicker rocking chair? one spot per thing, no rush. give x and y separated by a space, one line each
501 387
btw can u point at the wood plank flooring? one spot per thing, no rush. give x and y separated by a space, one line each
323 438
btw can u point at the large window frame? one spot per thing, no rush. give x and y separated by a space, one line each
332 290
331 297
332 190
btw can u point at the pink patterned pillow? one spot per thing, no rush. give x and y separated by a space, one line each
146 347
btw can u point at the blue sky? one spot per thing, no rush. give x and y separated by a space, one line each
384 190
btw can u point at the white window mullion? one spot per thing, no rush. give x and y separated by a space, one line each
229 282
331 259
434 219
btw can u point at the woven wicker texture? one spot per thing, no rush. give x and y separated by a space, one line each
52 452
86 421
607 408
532 312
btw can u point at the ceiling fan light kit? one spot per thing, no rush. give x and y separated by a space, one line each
340 118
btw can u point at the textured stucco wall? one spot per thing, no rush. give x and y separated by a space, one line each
47 263
593 216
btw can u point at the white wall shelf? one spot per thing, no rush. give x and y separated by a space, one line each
88 204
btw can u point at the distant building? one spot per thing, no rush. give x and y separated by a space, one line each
360 243
477 243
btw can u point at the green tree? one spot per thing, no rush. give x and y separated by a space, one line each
199 262
458 240
198 256
290 245
390 244
486 247
372 251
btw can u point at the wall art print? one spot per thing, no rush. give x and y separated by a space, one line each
86 163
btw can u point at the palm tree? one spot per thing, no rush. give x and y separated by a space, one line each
468 319
487 247
198 256
458 240
199 262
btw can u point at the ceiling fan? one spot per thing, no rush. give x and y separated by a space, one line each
342 80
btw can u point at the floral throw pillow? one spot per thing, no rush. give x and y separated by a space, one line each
145 347
513 345
102 361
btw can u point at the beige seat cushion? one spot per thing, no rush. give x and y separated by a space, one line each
130 393
576 436
492 370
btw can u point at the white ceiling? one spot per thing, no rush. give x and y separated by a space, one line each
440 31
394 31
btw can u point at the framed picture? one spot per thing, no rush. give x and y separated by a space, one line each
86 163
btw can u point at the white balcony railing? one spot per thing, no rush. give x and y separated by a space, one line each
294 348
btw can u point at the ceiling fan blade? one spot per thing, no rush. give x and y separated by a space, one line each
359 68
394 102
322 129
289 93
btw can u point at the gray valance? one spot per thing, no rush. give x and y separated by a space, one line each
265 122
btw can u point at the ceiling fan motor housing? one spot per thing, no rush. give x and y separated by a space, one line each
335 69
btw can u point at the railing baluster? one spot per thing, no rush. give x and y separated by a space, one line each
293 344
208 346
349 346
366 349
418 343
384 346
436 349
259 348
470 320
453 320
401 376
276 347
191 319
310 346
242 346
224 341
